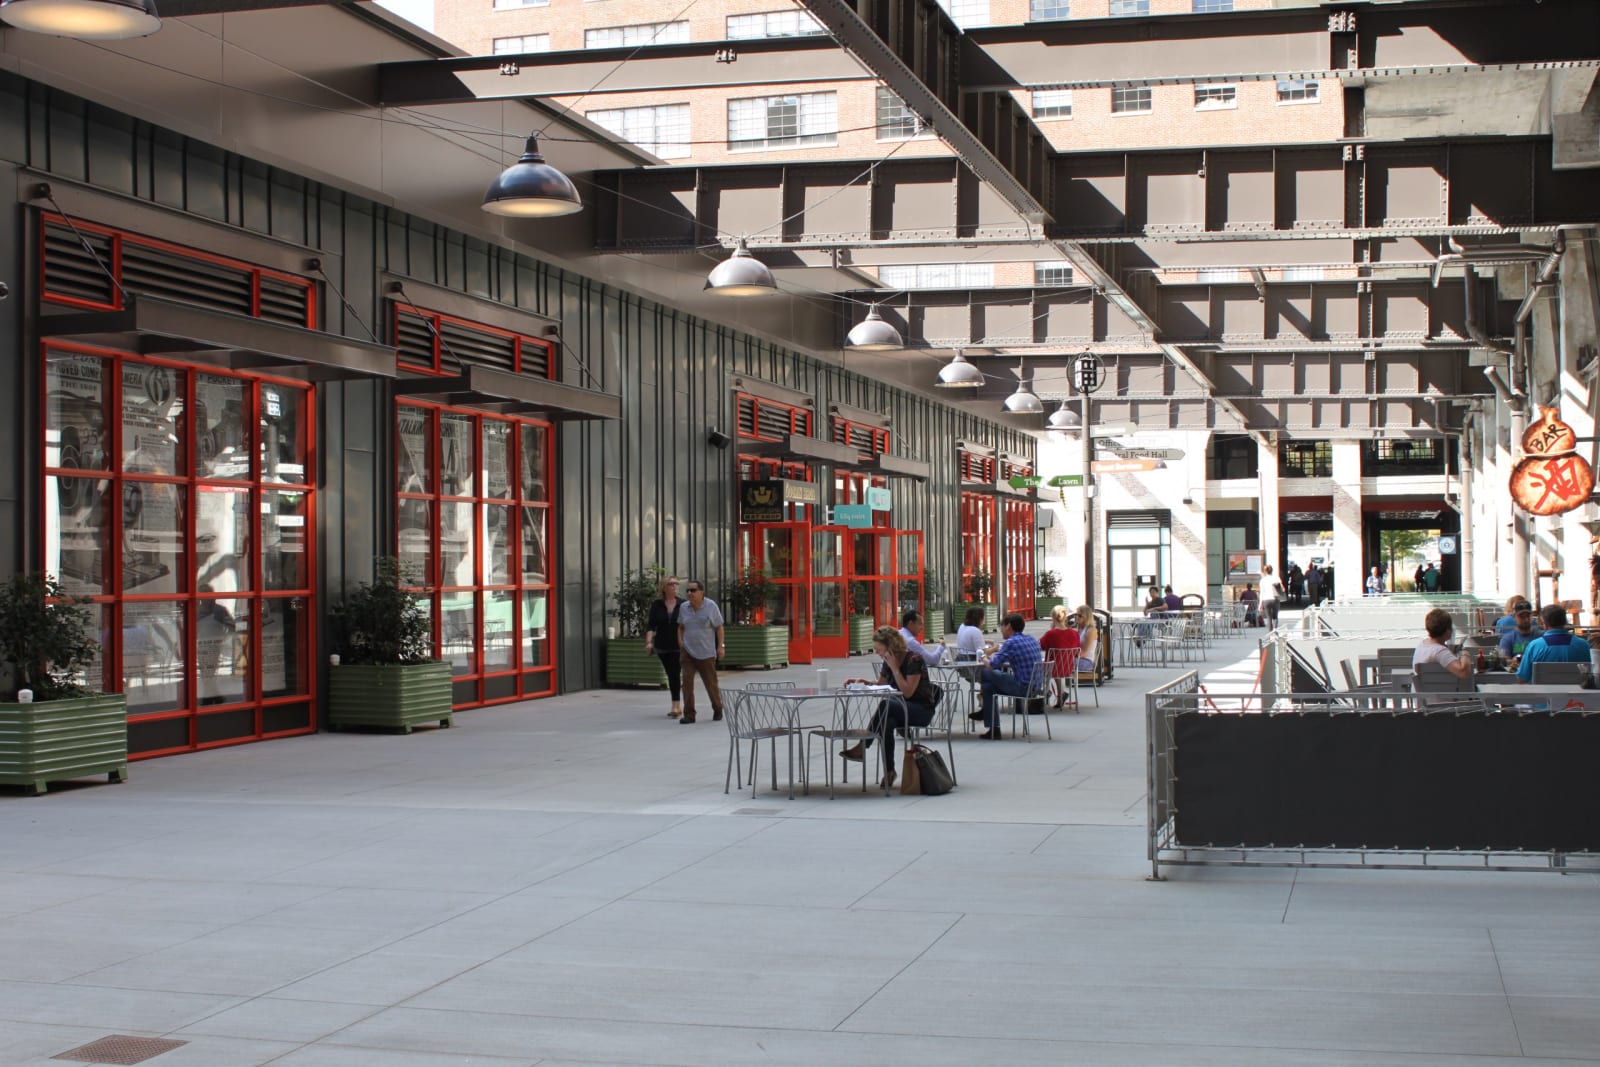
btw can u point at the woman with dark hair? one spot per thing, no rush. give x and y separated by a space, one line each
969 638
1435 647
907 672
661 639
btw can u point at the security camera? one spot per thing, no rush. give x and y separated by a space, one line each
5 290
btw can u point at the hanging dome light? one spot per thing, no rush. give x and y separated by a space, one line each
872 334
959 374
1064 418
102 20
1023 402
741 274
531 188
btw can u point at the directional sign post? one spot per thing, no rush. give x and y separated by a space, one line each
1025 481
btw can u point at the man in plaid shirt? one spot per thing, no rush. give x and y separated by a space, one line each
1023 656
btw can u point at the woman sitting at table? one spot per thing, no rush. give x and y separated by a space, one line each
969 638
1435 648
1088 637
1062 636
907 672
1154 603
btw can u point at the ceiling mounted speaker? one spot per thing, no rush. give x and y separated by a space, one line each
717 439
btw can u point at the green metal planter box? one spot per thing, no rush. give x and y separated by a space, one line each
861 628
755 646
394 697
59 739
1043 605
935 624
627 663
991 616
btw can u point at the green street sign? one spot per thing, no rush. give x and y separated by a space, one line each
1026 481
1064 481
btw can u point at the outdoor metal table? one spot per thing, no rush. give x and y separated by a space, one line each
793 700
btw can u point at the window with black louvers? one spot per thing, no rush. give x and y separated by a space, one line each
976 468
867 441
442 344
478 347
72 275
414 339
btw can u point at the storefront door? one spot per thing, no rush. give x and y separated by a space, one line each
783 552
829 605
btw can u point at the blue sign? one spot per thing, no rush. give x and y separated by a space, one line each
855 516
879 499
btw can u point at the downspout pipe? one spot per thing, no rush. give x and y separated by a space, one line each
1517 403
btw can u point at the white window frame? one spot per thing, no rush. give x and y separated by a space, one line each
1292 91
794 23
967 14
517 5
919 132
816 121
645 125
637 35
1149 98
1057 104
519 45
1129 8
1052 273
1211 7
1049 10
1214 101
937 275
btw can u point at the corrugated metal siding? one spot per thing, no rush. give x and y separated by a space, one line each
645 489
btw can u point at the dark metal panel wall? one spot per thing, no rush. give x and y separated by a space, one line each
649 488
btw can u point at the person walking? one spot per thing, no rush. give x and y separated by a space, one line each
1271 593
699 647
1314 584
1430 579
1374 583
661 640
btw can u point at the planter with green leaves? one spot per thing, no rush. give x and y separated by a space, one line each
60 729
627 663
1046 585
747 640
991 616
386 676
861 629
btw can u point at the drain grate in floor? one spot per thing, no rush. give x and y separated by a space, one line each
120 1048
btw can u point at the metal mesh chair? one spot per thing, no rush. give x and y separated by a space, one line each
755 716
852 712
1061 667
1036 695
1091 675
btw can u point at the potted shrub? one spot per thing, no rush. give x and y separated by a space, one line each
627 663
61 729
1047 584
936 608
978 586
386 675
749 641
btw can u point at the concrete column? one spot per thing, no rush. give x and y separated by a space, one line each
1063 541
1271 514
1349 551
1578 311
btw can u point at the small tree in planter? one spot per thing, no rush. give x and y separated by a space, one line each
1047 585
862 620
750 643
386 675
627 663
64 730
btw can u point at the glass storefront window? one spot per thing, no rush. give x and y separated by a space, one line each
154 656
153 421
499 608
497 459
416 451
458 628
285 652
456 562
283 435
222 540
416 540
533 463
77 533
497 548
155 533
222 651
456 435
535 540
76 427
221 435
284 541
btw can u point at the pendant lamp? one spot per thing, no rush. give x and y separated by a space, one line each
531 188
959 374
873 334
100 20
1023 402
1064 418
741 274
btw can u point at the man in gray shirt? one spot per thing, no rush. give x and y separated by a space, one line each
699 645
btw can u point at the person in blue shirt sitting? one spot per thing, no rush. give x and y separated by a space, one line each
1556 646
1508 622
1023 656
1515 640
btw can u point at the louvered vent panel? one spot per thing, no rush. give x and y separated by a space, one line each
747 417
775 421
70 272
285 302
414 339
176 277
476 347
535 360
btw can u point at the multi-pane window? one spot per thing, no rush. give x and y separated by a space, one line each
937 275
1049 10
1052 103
1212 7
513 46
1128 100
1052 273
663 129
783 121
641 34
1130 7
1303 274
967 13
1291 91
774 24
512 5
896 122
1305 459
1215 97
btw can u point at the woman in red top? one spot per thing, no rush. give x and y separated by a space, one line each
1061 636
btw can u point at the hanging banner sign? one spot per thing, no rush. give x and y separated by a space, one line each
879 499
761 500
1551 478
1025 481
1125 466
795 492
855 516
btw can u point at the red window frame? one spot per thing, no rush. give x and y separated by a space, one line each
112 604
438 319
752 411
977 542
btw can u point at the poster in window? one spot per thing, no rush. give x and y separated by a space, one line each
413 430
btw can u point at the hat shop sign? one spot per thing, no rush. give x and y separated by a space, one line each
1551 478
